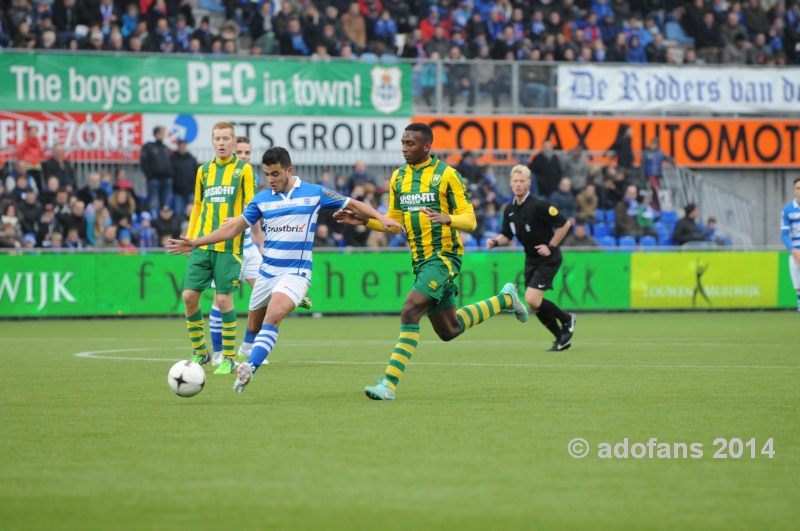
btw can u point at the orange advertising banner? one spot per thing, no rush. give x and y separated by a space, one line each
708 142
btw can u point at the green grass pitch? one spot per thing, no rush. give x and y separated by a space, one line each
477 438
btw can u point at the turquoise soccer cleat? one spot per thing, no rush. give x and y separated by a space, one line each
517 306
380 391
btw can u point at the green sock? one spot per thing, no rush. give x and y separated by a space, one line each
194 323
228 333
474 314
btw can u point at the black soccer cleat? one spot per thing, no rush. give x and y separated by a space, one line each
558 347
566 332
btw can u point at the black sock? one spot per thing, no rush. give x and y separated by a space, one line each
550 308
549 322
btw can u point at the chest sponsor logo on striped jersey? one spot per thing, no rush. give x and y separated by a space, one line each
217 194
287 228
417 199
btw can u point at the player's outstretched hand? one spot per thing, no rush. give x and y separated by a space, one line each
436 217
348 217
182 245
391 225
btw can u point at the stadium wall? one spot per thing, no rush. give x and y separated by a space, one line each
99 284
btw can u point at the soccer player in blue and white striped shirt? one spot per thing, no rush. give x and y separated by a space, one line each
288 215
790 234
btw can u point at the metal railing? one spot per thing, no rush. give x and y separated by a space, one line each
735 214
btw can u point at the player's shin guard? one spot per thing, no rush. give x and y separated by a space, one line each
229 334
401 355
215 324
474 314
194 323
550 308
263 345
549 322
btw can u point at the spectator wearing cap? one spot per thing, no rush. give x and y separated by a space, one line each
429 24
58 166
156 165
203 34
167 223
93 42
148 237
29 241
736 52
30 152
126 242
184 167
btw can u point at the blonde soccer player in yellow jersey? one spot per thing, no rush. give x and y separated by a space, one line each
429 198
225 186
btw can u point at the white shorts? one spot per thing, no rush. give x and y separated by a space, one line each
794 269
251 263
293 286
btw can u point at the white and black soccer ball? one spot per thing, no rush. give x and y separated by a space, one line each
186 378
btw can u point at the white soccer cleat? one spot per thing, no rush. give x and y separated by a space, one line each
217 359
243 376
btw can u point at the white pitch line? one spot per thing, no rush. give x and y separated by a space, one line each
93 354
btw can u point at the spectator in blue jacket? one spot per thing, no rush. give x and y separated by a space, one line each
386 28
602 9
636 53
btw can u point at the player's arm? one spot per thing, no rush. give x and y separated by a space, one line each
257 235
227 231
505 236
249 184
376 219
198 202
463 216
561 224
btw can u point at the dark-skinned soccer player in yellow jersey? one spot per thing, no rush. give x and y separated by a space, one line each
429 198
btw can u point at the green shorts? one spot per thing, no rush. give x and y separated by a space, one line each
435 280
205 266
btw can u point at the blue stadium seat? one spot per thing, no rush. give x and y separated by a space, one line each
601 230
610 216
658 226
669 217
607 241
648 241
600 215
627 241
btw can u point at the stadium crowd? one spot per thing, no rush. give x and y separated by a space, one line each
42 205
633 31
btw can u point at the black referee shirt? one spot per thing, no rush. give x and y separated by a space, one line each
532 223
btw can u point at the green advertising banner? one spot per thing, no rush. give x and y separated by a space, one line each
190 85
48 285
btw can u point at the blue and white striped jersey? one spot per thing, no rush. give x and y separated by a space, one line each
290 222
790 225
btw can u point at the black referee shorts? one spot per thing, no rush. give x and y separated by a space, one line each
540 272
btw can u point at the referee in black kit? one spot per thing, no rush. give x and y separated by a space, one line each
532 221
